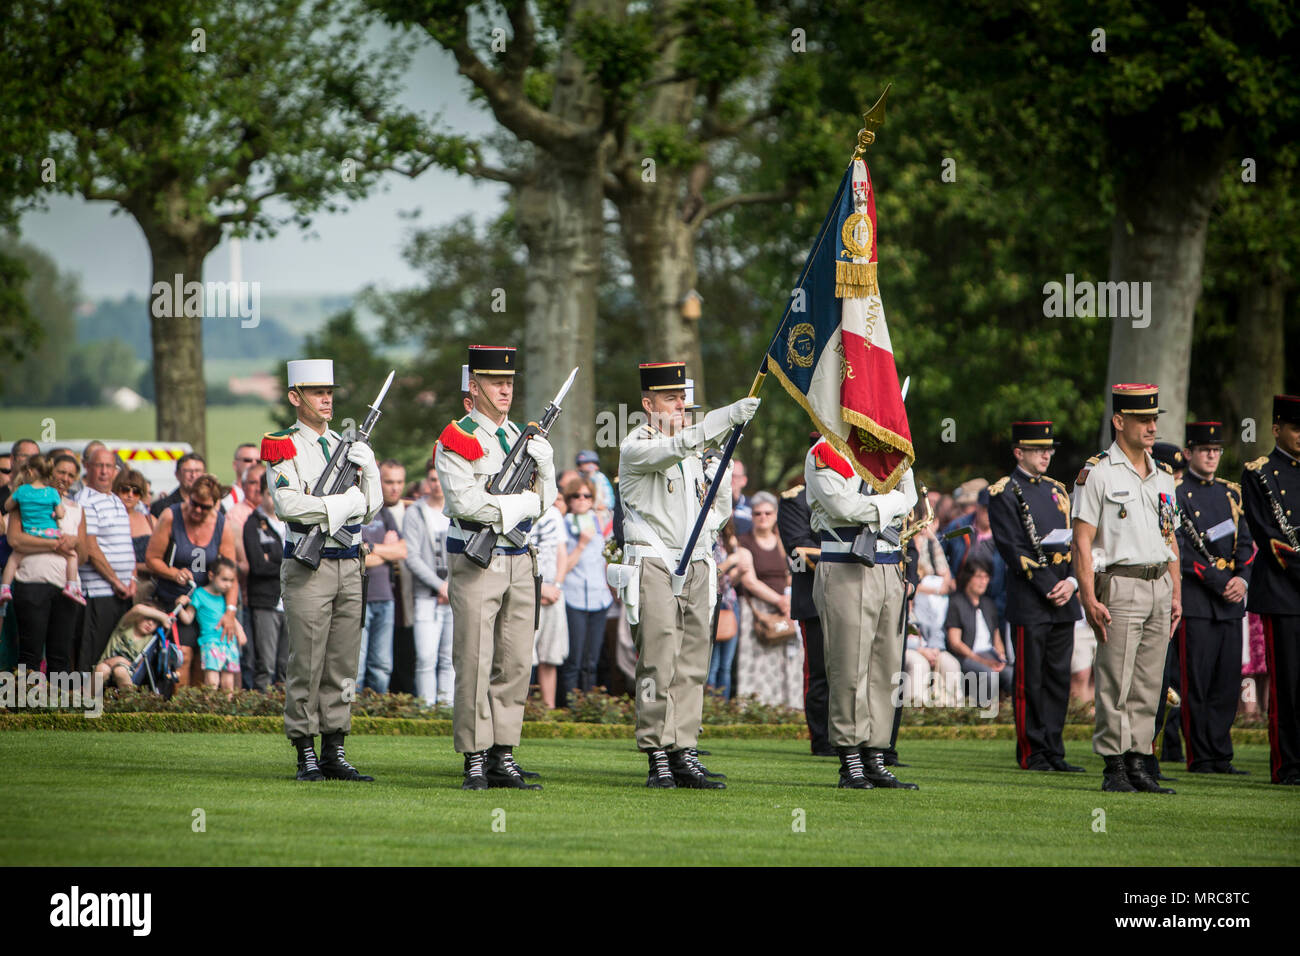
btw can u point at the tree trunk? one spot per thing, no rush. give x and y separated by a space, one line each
660 245
1259 369
661 250
1159 238
560 221
177 252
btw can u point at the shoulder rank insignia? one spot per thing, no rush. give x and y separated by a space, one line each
1256 464
279 446
1091 463
999 486
828 457
792 492
1165 468
459 437
1060 485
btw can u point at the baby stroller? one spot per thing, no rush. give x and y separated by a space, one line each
160 660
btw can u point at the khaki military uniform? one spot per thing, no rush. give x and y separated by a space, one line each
661 483
1134 543
493 609
322 608
860 607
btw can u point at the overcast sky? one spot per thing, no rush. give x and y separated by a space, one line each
349 250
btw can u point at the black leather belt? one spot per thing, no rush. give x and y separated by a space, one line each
336 553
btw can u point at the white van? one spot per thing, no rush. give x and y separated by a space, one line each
156 460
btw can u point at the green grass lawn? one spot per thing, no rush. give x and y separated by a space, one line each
228 425
108 798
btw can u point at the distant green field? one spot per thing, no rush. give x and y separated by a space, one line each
228 425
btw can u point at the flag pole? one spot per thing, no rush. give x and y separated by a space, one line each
872 120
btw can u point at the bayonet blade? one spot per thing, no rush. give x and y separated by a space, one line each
906 382
384 391
564 389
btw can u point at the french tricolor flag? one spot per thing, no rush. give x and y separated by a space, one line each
833 352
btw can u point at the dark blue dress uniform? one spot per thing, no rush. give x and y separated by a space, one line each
1275 590
1042 631
1209 635
792 524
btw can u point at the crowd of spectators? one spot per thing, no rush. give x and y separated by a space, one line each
93 568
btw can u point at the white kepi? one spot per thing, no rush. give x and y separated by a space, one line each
309 373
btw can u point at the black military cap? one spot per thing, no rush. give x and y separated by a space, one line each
1204 433
1032 435
1286 408
1135 400
663 376
1169 454
491 360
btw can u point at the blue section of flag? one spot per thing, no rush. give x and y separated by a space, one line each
796 348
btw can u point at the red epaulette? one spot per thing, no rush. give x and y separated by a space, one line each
278 447
454 438
828 457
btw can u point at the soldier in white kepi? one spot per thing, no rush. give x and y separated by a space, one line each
662 483
493 603
322 604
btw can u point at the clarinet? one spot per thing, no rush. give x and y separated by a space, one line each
1198 540
1027 520
1278 515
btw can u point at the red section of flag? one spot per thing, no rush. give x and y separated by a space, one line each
873 403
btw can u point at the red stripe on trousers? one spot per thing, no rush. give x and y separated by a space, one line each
1270 665
1021 735
807 674
1184 714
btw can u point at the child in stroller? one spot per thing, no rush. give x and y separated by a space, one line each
132 654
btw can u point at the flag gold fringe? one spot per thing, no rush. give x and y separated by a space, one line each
855 280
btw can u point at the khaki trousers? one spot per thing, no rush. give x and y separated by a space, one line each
491 649
1130 664
672 646
861 609
322 611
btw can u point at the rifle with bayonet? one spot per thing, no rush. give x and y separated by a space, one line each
515 477
339 475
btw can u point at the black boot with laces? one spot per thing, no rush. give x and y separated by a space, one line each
308 765
873 765
502 771
852 775
661 776
475 771
687 773
694 756
333 764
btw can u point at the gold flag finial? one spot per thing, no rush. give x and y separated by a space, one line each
872 120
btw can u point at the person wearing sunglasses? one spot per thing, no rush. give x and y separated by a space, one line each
129 485
189 538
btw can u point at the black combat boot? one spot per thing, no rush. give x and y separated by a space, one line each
687 773
1114 779
502 771
1138 775
661 777
1152 766
852 776
873 766
333 764
308 766
475 771
694 756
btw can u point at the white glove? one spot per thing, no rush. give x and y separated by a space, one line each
738 413
540 450
361 455
711 469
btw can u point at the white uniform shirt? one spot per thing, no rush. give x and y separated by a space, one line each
1111 488
465 482
291 483
835 501
662 478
